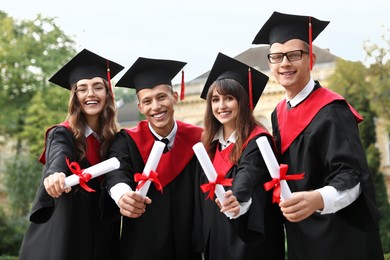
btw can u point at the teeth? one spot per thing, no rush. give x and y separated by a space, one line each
91 102
224 113
158 115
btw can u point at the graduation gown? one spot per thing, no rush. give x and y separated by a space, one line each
320 138
258 234
73 226
164 231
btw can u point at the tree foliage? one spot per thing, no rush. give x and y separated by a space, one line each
354 81
379 73
30 51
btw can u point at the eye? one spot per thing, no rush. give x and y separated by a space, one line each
215 100
82 90
99 88
146 101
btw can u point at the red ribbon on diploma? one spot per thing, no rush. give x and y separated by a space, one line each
210 187
153 177
275 182
74 167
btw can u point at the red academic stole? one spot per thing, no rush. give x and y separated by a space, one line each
221 161
92 149
293 121
175 160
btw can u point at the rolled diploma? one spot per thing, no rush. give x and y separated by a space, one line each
209 170
273 165
95 170
151 165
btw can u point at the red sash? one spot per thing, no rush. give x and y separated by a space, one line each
92 152
294 121
221 161
175 160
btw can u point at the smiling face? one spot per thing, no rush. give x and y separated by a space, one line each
225 110
294 75
157 105
92 96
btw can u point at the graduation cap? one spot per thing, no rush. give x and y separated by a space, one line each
251 79
283 27
85 65
147 73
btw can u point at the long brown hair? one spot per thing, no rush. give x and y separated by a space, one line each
107 123
245 121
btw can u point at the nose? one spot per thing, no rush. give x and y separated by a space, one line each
285 60
156 104
90 91
222 103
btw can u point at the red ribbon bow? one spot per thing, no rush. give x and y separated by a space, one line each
275 182
153 177
210 187
74 167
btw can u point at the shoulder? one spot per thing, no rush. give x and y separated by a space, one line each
188 126
58 131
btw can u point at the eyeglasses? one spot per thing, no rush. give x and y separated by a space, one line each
97 90
291 56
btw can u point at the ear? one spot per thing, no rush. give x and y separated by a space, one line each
314 58
175 97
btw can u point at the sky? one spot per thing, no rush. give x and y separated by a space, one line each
195 31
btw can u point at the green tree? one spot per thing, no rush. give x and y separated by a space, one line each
353 81
31 50
379 73
47 108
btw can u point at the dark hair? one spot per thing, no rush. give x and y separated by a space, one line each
107 122
245 121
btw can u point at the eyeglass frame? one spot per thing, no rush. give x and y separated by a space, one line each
285 54
96 89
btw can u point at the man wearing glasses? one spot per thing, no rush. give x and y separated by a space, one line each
332 213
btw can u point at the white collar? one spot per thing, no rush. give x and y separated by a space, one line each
302 94
88 131
219 136
170 136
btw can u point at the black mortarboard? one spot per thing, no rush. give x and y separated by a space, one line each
283 27
148 73
251 79
85 65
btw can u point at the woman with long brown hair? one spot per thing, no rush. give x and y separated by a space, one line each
76 222
253 228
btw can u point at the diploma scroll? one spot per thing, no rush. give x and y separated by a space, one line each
209 170
273 165
151 165
95 170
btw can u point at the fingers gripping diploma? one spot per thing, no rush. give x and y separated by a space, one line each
55 183
133 204
301 205
230 205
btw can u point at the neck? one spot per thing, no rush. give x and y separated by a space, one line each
227 132
93 123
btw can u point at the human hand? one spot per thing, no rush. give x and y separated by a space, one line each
230 205
301 205
55 183
133 205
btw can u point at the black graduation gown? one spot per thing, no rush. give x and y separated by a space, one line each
72 226
329 152
259 233
165 230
